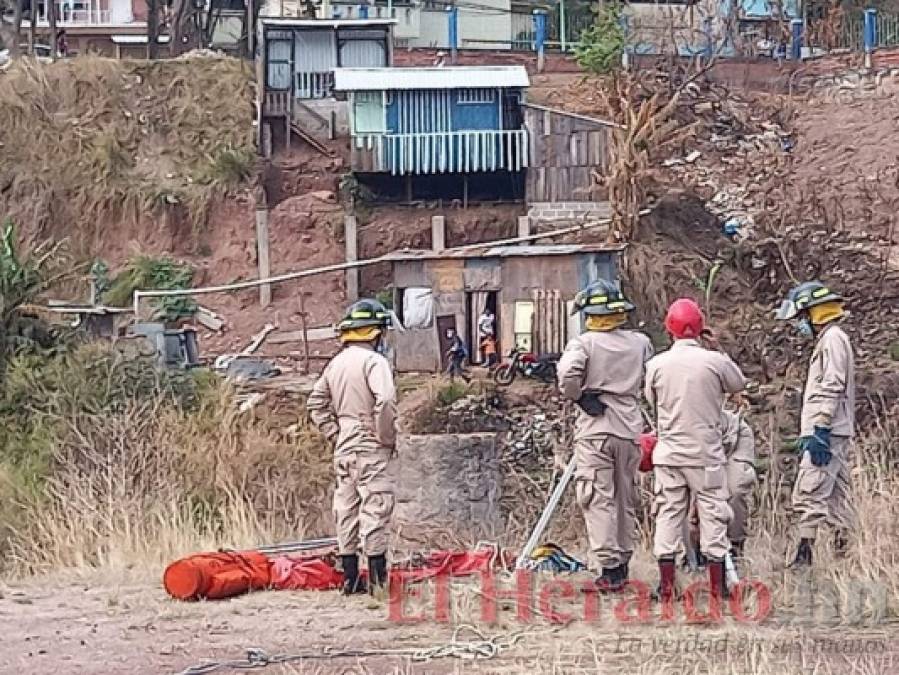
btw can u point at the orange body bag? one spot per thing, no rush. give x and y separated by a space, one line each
215 576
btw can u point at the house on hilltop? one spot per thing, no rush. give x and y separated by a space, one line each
437 131
296 60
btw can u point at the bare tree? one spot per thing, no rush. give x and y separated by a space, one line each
54 33
153 28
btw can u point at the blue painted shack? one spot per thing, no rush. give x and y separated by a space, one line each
436 121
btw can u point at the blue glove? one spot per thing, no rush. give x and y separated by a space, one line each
818 446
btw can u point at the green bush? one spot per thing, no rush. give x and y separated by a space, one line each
44 398
148 273
451 393
601 45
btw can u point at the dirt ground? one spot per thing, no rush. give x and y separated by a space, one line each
94 626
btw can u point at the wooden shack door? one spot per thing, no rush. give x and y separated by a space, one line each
445 323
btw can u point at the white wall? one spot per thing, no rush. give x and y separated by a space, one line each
494 26
120 11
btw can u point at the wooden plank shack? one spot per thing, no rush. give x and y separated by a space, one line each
565 150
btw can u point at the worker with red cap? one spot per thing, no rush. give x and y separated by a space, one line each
686 387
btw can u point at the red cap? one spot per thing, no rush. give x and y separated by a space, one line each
647 445
684 319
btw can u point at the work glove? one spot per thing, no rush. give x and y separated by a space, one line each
817 446
591 404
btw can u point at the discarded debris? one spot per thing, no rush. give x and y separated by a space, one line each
258 339
249 368
209 319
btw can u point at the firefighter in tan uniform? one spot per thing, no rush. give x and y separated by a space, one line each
353 403
602 370
686 387
827 420
739 451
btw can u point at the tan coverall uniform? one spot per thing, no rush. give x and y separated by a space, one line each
686 386
821 493
354 404
605 447
739 448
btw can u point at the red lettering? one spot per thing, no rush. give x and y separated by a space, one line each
443 604
693 615
566 590
591 601
399 590
641 601
762 603
521 594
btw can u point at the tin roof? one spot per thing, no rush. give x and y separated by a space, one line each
449 77
287 22
511 251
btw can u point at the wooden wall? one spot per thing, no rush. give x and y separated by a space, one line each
565 151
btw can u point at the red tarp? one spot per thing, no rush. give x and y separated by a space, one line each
311 573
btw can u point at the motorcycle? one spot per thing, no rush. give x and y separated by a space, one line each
540 367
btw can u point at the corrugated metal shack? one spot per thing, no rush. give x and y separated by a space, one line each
295 64
443 120
529 288
566 149
300 56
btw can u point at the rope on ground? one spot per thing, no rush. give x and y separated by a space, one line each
479 646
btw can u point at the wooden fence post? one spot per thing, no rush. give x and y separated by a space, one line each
350 233
262 254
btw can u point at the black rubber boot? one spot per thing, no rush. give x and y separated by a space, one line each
840 544
377 573
352 584
612 579
803 554
717 580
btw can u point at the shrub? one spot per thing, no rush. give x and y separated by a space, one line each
601 45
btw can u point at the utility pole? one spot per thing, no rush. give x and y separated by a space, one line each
563 28
453 24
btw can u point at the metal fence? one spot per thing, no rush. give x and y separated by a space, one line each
578 17
887 34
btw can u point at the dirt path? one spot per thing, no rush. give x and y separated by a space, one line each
83 628
100 627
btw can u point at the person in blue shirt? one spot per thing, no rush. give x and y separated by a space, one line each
456 355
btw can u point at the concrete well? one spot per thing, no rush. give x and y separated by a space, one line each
449 488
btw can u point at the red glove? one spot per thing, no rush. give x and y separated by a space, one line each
647 445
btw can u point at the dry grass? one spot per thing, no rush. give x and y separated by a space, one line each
92 141
148 480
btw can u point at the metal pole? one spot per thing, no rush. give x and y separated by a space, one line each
870 34
540 38
563 29
339 267
305 333
453 26
796 51
551 506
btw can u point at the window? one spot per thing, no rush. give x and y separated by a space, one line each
418 308
523 325
368 113
475 96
